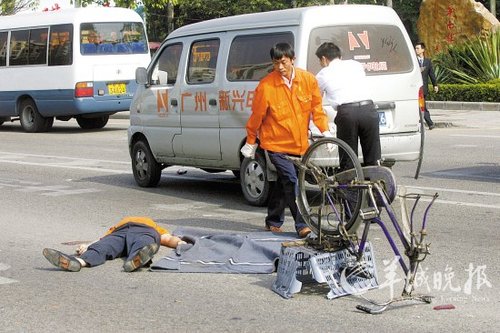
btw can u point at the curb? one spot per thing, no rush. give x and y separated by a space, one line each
463 106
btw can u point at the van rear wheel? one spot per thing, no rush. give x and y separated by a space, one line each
253 180
31 120
147 171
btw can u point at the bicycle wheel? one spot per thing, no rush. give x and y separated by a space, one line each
325 199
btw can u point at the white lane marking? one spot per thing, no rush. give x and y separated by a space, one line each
454 202
62 157
50 190
4 280
476 136
461 203
439 189
67 167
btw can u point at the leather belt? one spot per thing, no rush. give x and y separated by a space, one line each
355 104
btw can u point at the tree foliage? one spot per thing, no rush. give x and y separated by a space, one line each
11 7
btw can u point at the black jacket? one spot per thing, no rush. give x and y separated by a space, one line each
427 72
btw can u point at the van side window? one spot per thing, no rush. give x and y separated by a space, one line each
167 66
249 58
382 49
203 61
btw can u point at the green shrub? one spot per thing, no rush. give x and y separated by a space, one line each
475 61
483 92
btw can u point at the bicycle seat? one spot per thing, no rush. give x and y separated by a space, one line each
385 177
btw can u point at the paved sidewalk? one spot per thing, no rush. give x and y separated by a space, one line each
465 118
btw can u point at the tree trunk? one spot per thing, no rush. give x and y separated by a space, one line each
389 3
170 17
493 7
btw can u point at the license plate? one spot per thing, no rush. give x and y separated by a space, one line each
117 88
382 119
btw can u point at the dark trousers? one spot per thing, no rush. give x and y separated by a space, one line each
359 121
427 114
124 242
283 193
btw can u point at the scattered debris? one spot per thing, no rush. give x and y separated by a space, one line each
444 307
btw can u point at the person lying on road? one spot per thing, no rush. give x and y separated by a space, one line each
136 238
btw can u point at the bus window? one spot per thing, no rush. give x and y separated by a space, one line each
19 47
202 61
113 38
3 48
37 52
61 45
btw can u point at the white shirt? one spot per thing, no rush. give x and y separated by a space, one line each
343 81
289 82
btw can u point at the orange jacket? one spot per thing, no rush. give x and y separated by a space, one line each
280 116
137 220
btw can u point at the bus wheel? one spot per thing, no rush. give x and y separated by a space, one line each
253 180
147 171
92 123
31 120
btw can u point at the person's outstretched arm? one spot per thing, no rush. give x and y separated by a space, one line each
171 241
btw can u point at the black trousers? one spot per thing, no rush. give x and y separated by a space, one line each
427 114
359 121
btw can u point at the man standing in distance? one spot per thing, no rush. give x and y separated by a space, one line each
427 72
345 88
284 102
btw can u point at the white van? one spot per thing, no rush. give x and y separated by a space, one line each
194 99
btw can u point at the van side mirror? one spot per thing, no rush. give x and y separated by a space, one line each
141 75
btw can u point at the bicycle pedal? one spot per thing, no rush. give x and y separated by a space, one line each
368 213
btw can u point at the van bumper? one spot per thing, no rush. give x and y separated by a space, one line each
400 147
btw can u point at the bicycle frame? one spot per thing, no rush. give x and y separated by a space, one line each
414 247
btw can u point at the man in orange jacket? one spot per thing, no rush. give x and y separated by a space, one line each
137 238
284 102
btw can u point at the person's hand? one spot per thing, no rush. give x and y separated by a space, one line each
329 146
81 249
436 89
248 150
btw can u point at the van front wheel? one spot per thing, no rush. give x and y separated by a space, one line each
253 180
147 171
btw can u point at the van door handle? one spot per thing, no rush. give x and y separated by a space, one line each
173 102
212 102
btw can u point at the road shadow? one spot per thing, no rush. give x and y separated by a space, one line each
487 172
210 224
223 190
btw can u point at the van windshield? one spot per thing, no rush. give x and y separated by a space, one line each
381 49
